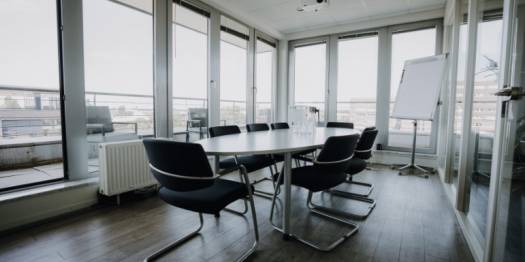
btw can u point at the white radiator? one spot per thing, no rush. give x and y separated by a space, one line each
123 167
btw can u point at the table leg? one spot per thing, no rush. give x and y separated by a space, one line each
287 194
216 163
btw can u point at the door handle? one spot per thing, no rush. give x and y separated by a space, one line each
513 93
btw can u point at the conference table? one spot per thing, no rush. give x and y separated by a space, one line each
281 141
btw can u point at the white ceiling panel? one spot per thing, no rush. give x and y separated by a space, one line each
282 15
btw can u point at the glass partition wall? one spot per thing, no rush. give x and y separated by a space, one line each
30 91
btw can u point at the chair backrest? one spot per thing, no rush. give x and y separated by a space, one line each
200 114
337 152
170 161
365 144
224 130
280 125
257 127
99 115
340 124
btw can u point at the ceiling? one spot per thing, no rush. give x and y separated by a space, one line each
282 15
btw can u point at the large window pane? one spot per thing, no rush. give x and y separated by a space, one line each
30 126
406 46
264 75
310 76
233 72
118 57
357 81
190 71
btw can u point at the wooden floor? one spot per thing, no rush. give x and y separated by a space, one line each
413 221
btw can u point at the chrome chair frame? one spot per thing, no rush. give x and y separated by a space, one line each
157 254
318 210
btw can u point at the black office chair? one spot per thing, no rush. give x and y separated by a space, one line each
328 171
257 127
187 181
340 124
305 156
250 162
362 152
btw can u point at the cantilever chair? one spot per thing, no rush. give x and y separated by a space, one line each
362 152
189 183
250 162
300 156
328 171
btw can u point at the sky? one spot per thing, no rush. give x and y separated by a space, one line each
118 55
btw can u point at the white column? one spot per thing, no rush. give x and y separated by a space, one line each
162 67
282 82
73 107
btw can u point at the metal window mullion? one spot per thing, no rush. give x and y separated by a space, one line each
250 78
214 87
331 93
383 86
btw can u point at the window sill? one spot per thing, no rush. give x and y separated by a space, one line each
45 189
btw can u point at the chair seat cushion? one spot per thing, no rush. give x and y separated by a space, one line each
356 165
209 200
315 178
252 163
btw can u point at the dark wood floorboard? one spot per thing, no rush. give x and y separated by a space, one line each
413 221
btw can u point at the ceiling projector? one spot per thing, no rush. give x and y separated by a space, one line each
312 5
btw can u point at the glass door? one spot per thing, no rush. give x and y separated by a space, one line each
507 232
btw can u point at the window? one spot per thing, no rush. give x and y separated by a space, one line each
310 76
118 64
190 68
30 122
405 46
233 72
357 79
265 77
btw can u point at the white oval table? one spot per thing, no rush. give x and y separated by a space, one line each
283 141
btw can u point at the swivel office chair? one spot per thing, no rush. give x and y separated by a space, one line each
189 183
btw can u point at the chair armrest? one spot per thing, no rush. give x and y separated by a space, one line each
127 123
332 162
182 177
